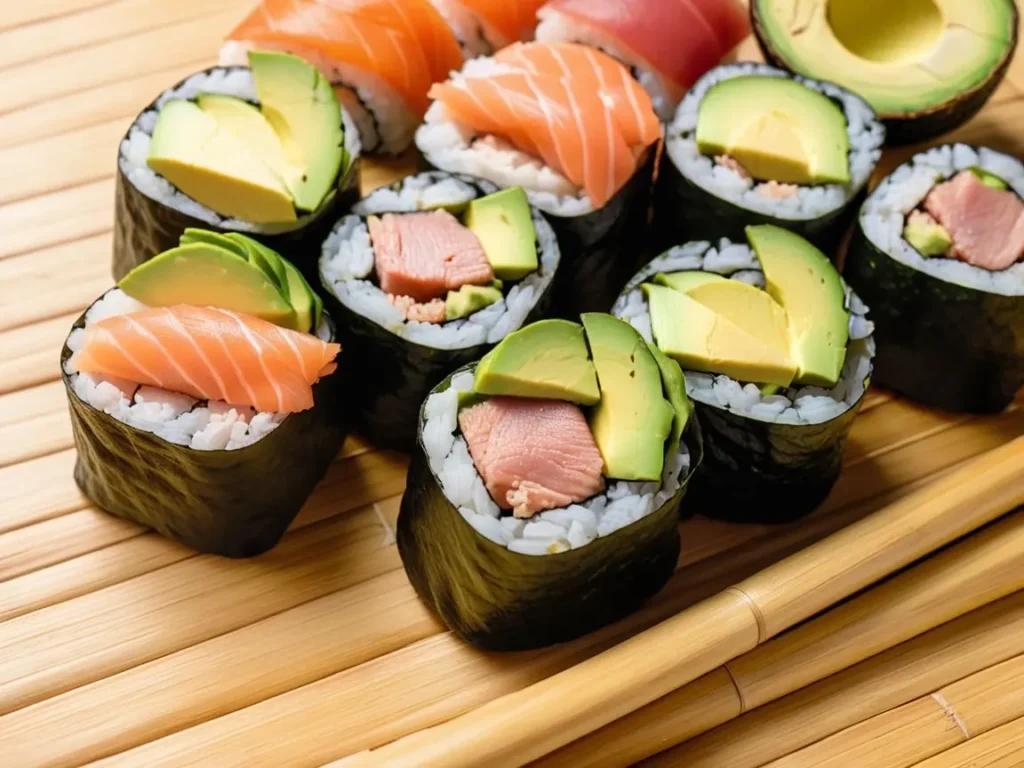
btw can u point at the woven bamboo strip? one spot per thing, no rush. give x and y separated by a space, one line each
59 217
39 490
30 403
1002 747
17 14
35 437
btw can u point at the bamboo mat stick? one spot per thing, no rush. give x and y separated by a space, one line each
523 726
1002 747
975 572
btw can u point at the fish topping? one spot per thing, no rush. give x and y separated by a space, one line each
431 312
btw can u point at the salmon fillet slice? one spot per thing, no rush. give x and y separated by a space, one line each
508 21
210 354
532 454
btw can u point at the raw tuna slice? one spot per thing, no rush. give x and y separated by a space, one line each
986 224
425 255
532 454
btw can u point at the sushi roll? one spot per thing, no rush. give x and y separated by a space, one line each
204 398
543 494
752 145
425 276
263 150
645 36
777 352
569 125
381 56
486 26
939 254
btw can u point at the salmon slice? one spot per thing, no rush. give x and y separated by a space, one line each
986 224
425 255
532 454
210 354
506 21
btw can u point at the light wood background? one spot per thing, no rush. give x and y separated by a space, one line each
118 645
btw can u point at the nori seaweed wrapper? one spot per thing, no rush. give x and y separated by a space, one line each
500 600
236 503
144 227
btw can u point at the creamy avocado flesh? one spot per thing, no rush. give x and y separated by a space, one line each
504 227
777 129
684 281
903 56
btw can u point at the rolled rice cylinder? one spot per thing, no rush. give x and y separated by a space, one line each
395 361
503 583
769 458
150 213
698 198
218 477
949 332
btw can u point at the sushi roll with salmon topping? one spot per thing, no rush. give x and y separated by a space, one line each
425 276
570 126
204 394
485 26
777 352
543 494
751 144
939 253
264 150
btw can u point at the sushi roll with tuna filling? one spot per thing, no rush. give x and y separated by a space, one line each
204 398
543 494
753 145
263 150
939 255
570 126
424 277
777 352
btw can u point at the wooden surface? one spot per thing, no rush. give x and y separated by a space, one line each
117 645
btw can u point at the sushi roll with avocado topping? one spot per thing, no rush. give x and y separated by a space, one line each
777 352
939 255
569 125
204 396
425 276
263 150
543 493
751 144
926 66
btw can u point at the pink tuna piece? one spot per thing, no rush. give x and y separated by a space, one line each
532 454
431 312
773 190
986 224
727 161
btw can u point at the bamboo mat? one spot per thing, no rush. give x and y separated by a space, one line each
119 646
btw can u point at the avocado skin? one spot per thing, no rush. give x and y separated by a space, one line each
144 227
940 344
230 503
914 127
499 600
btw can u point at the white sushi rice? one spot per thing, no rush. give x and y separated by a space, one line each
549 532
134 151
348 260
211 425
795 405
883 217
866 135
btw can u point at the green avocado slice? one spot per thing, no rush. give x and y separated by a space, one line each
674 383
195 235
264 258
504 227
684 281
469 299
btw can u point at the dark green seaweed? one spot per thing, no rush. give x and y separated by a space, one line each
234 503
941 344
144 227
500 600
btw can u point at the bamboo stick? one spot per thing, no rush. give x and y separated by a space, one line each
34 438
1002 747
59 217
30 403
511 730
39 490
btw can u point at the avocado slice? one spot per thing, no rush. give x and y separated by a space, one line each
208 276
684 281
924 65
208 163
633 419
752 309
195 235
469 299
702 340
264 258
674 383
504 227
776 128
989 179
547 359
927 236
307 305
300 105
804 282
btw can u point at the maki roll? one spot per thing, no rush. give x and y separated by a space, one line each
425 276
570 126
543 493
204 398
752 145
486 26
939 254
264 150
777 352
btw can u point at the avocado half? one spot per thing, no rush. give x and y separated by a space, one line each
926 66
